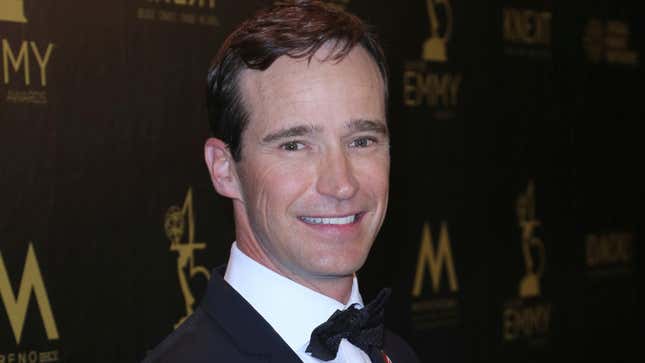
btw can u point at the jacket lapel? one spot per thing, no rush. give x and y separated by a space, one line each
377 356
251 333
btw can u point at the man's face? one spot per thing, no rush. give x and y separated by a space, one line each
315 163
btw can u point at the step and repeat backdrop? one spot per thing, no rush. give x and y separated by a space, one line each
515 222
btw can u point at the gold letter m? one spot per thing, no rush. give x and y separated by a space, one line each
32 280
435 261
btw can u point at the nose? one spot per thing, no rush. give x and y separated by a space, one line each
336 177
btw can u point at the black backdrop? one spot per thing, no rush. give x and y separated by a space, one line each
514 226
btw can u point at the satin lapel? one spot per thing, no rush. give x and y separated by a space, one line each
376 356
252 334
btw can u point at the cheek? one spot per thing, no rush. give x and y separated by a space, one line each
375 174
278 186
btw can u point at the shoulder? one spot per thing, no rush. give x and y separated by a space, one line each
197 340
398 349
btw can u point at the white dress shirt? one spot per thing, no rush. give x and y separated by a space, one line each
293 310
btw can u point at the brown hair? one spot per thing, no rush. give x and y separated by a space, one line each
296 29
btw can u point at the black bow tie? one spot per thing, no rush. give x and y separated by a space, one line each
362 327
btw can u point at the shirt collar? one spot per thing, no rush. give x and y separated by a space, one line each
293 310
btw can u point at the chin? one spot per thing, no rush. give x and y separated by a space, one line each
339 265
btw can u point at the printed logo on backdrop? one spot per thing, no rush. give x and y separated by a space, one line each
12 10
193 12
179 225
527 316
526 32
430 82
16 305
609 42
24 62
609 254
435 288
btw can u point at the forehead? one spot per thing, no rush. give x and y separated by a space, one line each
297 91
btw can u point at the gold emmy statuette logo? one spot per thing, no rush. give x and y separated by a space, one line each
424 85
529 285
177 219
434 48
529 316
16 306
12 10
435 260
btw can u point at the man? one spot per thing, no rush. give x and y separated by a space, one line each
297 103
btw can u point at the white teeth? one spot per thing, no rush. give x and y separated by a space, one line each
342 220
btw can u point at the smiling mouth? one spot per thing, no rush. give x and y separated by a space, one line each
339 221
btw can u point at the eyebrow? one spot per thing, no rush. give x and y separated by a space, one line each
299 130
368 125
357 125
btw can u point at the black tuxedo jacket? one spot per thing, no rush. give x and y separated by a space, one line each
226 329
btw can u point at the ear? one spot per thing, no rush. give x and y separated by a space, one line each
221 167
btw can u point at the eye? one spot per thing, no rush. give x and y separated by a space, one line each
292 146
362 142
